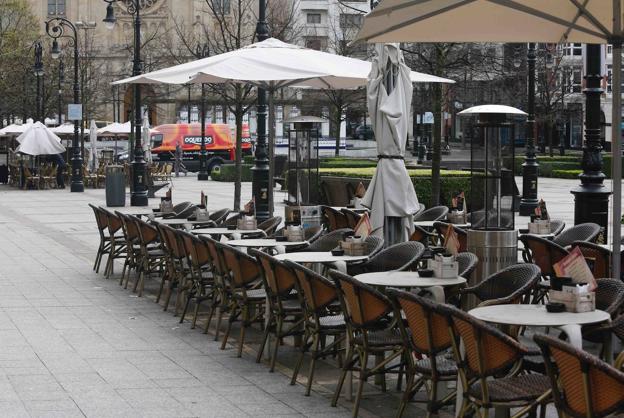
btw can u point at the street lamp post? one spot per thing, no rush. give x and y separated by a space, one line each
260 171
38 70
56 28
591 197
61 80
138 196
203 51
530 167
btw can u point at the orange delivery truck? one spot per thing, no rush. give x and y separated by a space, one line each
220 145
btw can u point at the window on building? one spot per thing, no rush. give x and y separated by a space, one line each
315 43
577 81
314 18
56 7
350 20
573 49
221 7
610 78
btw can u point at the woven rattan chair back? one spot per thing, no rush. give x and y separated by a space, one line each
401 257
100 219
542 252
515 281
270 225
279 279
219 216
312 233
583 385
244 268
330 240
466 264
218 265
112 222
334 219
420 235
462 236
581 232
436 213
174 242
488 351
232 220
599 258
374 244
363 305
610 296
352 217
428 331
128 227
556 226
147 233
318 291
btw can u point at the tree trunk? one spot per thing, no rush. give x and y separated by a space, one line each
336 118
549 136
238 115
437 139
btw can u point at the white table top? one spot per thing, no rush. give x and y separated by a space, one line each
264 242
406 279
429 224
176 221
535 315
224 231
358 210
319 257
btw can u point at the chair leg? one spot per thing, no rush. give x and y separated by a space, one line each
195 313
345 368
315 347
189 296
432 407
363 378
244 325
280 324
304 344
219 318
265 337
164 278
406 395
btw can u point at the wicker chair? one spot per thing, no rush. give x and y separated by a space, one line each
101 221
181 211
467 263
152 258
426 337
582 385
352 217
372 330
542 252
118 247
219 216
556 226
609 298
310 234
581 232
318 297
513 284
267 228
285 312
374 244
131 235
489 354
477 219
400 257
423 236
329 241
599 258
421 208
232 220
436 213
247 298
221 293
462 235
176 263
334 219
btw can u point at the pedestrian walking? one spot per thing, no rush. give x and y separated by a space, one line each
60 168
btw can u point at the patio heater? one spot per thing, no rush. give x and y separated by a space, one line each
492 237
303 170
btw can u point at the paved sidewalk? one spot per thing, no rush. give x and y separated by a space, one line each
73 344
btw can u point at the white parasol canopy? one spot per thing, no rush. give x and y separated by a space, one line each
391 192
67 129
93 161
272 64
16 129
116 128
39 140
552 21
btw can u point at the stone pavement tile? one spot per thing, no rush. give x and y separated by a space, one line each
13 409
163 370
197 394
65 363
7 391
314 403
103 402
21 367
81 382
37 387
61 409
12 338
266 410
151 399
189 382
210 410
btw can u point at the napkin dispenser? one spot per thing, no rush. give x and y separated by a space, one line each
443 266
576 298
457 217
294 233
166 206
247 223
539 226
202 215
354 246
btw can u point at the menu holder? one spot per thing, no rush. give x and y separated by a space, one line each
451 240
247 223
456 217
574 266
540 227
574 302
166 206
443 267
363 227
354 247
202 215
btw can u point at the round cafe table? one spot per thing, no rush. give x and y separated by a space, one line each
176 221
429 224
280 246
323 257
411 279
224 231
537 316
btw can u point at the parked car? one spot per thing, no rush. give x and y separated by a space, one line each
364 132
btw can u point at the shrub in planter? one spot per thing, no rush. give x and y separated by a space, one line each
227 173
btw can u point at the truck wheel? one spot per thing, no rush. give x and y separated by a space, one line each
212 164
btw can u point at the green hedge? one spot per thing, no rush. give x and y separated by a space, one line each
227 173
342 162
563 166
450 181
566 174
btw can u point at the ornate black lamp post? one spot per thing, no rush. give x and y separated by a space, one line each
260 171
591 197
530 167
61 80
138 196
203 51
56 28
38 70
